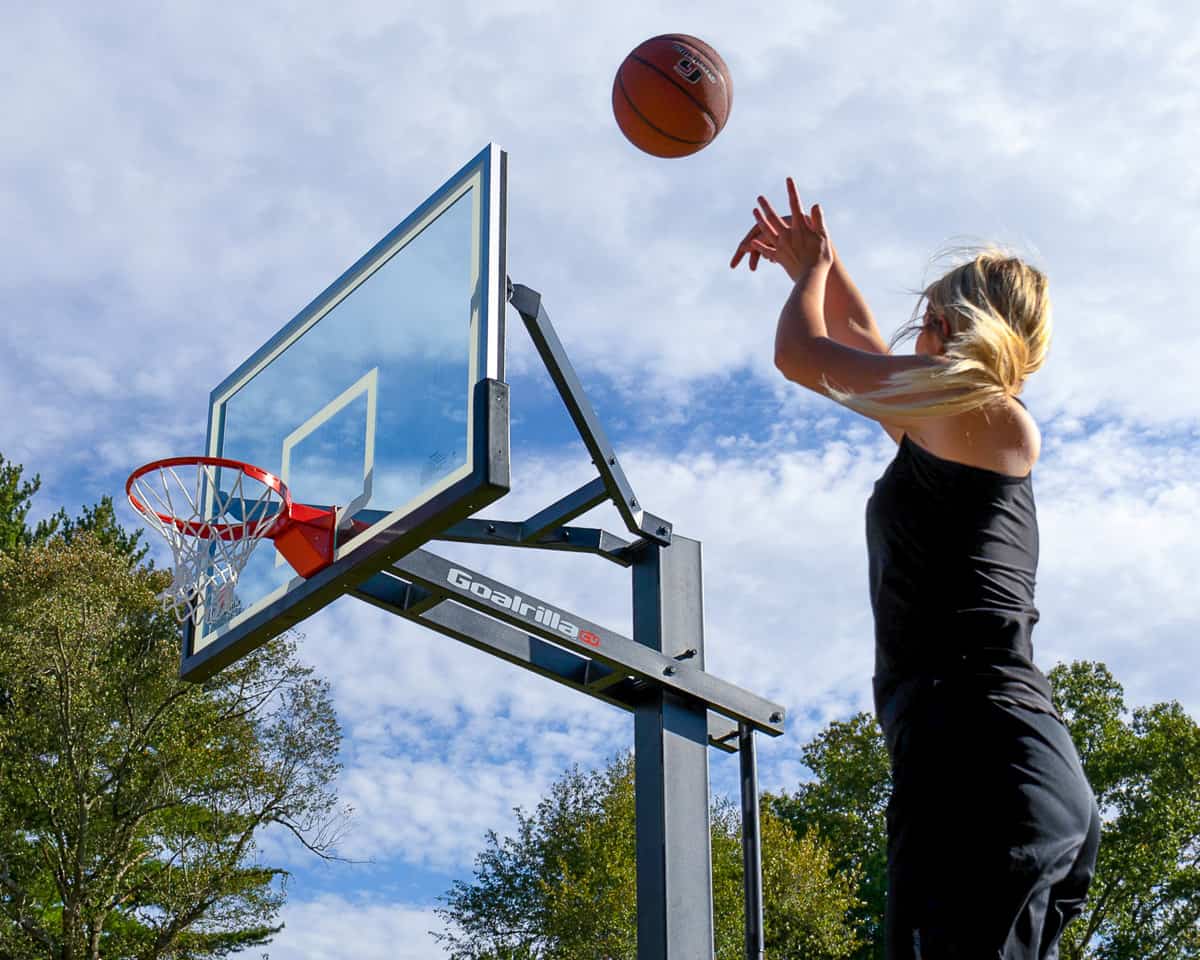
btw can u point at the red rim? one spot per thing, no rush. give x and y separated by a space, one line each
224 531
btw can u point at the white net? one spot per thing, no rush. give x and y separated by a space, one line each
211 531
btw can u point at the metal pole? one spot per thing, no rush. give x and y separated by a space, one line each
674 856
751 844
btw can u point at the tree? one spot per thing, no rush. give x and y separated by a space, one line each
1144 903
16 496
131 803
809 904
564 885
1145 771
16 499
845 805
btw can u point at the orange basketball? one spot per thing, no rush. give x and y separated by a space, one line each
672 95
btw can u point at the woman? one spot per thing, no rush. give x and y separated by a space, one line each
992 827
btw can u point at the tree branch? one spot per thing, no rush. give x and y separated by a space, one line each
19 897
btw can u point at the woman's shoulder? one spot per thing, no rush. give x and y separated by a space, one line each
1002 438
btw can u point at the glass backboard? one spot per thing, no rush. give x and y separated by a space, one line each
379 399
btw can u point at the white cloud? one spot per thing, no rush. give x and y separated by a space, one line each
238 162
184 180
332 927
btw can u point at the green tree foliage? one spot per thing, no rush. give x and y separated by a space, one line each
101 522
809 904
16 499
131 803
1144 767
564 885
16 496
1145 770
845 805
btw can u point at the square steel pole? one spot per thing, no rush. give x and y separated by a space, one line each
674 856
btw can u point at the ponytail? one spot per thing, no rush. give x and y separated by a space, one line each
997 309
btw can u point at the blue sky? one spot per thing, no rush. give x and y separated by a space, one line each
182 178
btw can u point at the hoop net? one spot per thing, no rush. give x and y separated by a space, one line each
211 531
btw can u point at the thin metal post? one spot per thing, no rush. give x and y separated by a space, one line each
751 844
674 856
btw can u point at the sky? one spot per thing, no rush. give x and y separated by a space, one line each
181 179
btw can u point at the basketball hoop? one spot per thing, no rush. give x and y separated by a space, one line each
213 531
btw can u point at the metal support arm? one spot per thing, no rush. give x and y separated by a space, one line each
528 304
519 647
508 533
672 669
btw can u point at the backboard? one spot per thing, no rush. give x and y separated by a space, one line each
383 398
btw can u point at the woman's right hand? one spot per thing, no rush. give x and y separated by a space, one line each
798 243
746 247
756 233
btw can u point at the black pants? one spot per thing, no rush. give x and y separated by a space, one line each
992 832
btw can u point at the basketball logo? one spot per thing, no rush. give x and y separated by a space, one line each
688 69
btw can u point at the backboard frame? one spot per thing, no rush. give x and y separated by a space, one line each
484 479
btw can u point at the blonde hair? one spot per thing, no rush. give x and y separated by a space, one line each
998 312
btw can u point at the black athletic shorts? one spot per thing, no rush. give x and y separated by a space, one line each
992 832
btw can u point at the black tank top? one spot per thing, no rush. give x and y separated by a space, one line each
953 553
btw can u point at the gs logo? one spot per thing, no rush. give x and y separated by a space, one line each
689 69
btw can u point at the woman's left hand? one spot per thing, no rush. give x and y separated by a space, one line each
797 243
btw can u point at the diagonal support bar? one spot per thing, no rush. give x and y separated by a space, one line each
528 304
574 504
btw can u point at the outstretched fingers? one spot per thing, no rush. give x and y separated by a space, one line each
746 247
818 217
742 248
771 230
794 202
760 249
769 218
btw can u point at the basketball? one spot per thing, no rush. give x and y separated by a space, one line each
672 95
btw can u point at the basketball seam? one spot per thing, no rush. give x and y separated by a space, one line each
666 76
646 120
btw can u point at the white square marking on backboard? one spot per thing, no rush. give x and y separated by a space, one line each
368 383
